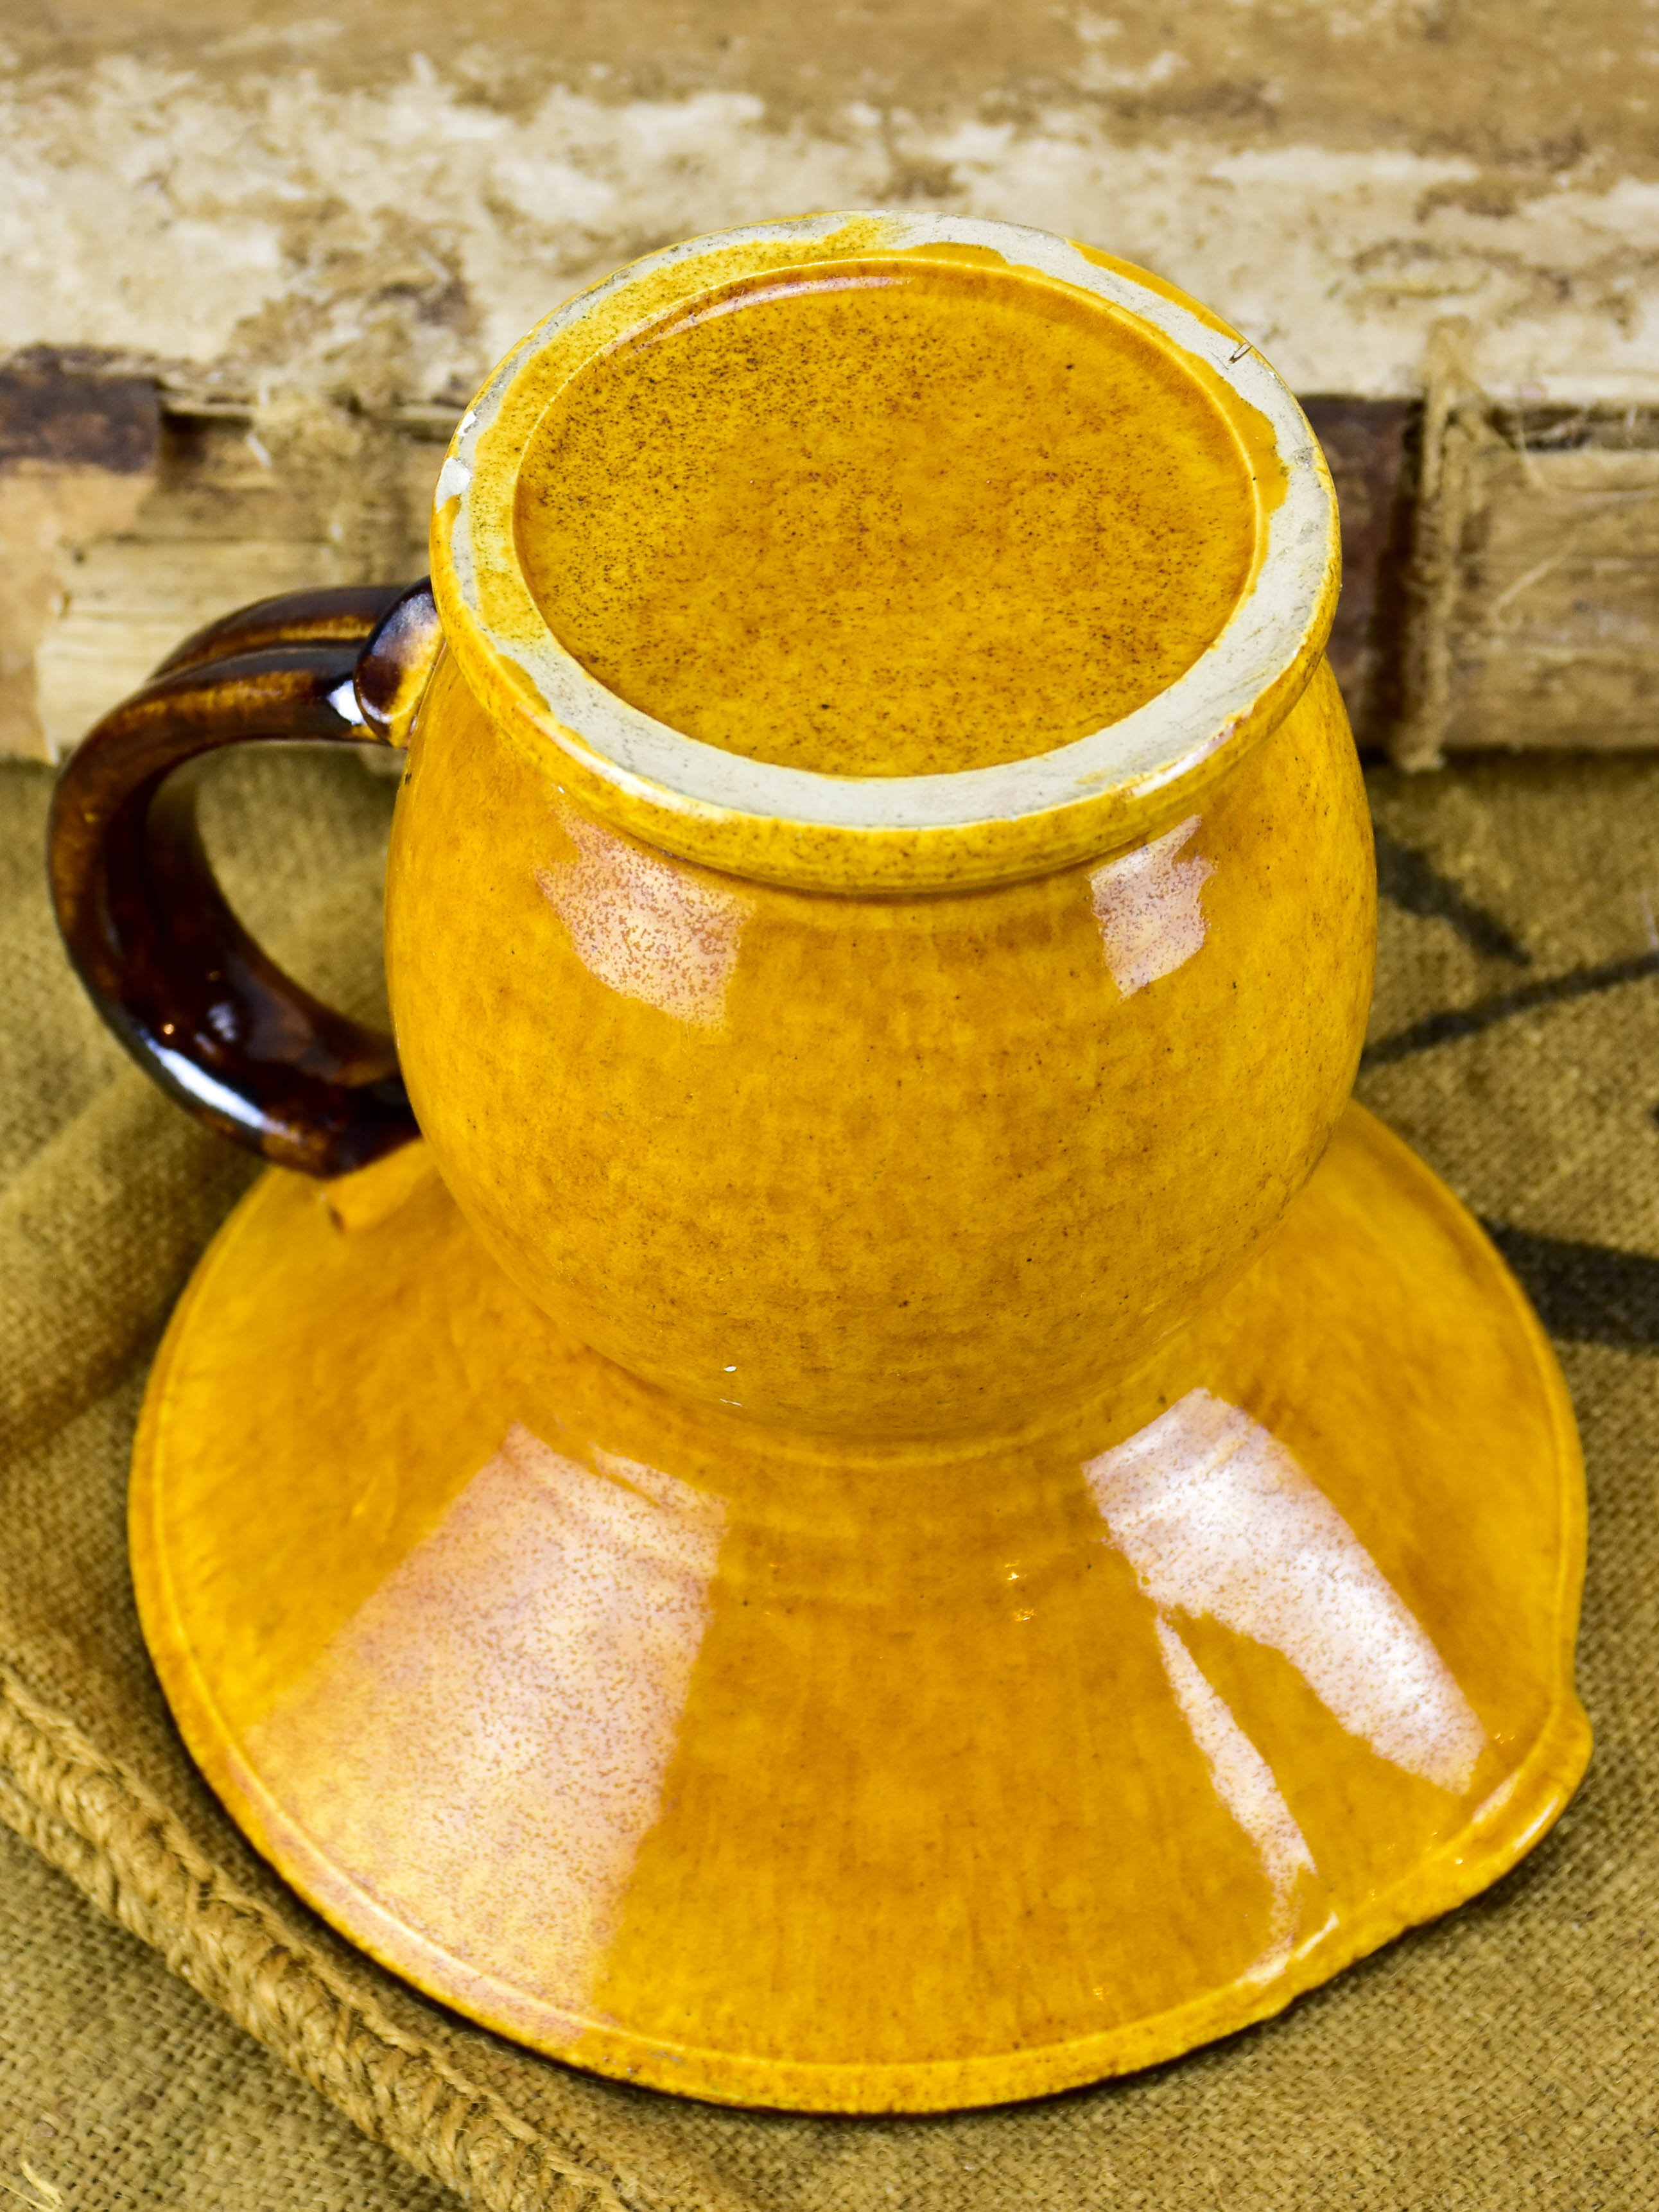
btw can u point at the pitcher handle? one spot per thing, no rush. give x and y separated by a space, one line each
206 1014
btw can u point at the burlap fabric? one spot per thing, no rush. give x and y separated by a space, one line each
1504 2057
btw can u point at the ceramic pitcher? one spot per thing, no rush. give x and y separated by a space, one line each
852 1486
907 1102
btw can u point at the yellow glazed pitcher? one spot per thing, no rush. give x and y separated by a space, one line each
859 1488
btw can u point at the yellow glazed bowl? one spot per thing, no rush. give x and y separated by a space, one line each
878 1105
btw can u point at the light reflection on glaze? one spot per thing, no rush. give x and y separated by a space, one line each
1246 1787
538 1646
1149 909
1217 1517
648 929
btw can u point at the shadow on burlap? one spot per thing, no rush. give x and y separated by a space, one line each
1506 2055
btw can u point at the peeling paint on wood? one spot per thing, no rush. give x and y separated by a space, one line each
310 235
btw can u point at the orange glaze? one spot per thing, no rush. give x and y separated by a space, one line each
890 517
898 1508
880 1777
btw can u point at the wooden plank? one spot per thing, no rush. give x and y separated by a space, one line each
127 518
52 418
1554 623
233 506
1371 446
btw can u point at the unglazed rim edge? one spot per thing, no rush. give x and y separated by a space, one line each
722 804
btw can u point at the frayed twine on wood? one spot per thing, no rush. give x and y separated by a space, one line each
1455 426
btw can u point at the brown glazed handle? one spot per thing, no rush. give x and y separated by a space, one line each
199 1006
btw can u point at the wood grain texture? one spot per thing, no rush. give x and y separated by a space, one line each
1554 629
1551 631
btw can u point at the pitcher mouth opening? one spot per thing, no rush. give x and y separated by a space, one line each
561 628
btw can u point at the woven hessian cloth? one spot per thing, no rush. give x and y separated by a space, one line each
177 2030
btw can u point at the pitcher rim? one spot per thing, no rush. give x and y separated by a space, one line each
955 829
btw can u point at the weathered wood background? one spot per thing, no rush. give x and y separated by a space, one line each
252 259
